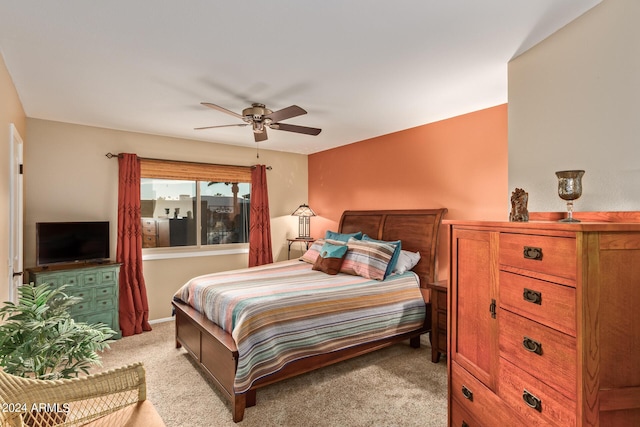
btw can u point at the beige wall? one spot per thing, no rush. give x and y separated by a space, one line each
69 178
10 112
574 104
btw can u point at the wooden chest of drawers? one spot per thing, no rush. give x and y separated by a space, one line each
155 232
544 329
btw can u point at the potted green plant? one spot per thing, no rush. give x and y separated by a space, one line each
39 338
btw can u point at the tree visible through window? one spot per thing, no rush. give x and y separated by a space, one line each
207 210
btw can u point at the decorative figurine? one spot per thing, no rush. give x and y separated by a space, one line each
519 212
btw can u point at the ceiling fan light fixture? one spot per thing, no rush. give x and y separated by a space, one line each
260 117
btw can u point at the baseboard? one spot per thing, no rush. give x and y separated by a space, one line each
165 319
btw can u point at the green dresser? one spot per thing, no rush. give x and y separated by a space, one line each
96 284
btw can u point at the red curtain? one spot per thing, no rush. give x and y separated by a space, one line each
134 308
260 230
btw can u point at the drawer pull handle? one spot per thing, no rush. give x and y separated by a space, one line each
532 253
532 401
532 345
534 297
468 394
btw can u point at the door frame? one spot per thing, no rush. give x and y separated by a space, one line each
16 210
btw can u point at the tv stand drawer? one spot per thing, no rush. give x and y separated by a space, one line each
96 284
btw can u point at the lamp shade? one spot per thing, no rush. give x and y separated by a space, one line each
303 210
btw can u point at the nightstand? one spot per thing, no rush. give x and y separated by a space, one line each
438 334
306 240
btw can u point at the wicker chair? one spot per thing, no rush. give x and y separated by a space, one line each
112 398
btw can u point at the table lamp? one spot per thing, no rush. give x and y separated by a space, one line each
304 212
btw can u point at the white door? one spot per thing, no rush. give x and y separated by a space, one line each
15 215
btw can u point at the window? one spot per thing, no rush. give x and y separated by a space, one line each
193 204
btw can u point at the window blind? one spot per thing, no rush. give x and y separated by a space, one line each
169 169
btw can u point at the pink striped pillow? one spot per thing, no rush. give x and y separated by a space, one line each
313 252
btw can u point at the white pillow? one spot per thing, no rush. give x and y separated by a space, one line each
406 261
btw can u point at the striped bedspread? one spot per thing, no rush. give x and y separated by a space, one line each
286 311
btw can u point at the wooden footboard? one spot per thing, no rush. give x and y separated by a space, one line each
216 353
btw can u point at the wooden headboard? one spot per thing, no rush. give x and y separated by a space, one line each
418 229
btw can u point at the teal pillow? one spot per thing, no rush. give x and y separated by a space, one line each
396 253
330 250
343 237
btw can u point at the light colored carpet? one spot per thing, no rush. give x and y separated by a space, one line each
396 386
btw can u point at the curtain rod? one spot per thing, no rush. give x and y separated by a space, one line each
111 156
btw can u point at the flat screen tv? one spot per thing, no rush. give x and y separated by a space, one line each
70 242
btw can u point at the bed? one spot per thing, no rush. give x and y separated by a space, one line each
217 352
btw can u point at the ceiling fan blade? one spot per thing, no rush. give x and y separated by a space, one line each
295 128
219 108
260 136
221 126
285 113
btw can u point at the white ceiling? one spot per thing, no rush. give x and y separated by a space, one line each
361 68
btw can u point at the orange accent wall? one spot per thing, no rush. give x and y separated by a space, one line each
459 163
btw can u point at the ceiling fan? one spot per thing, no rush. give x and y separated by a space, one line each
260 118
